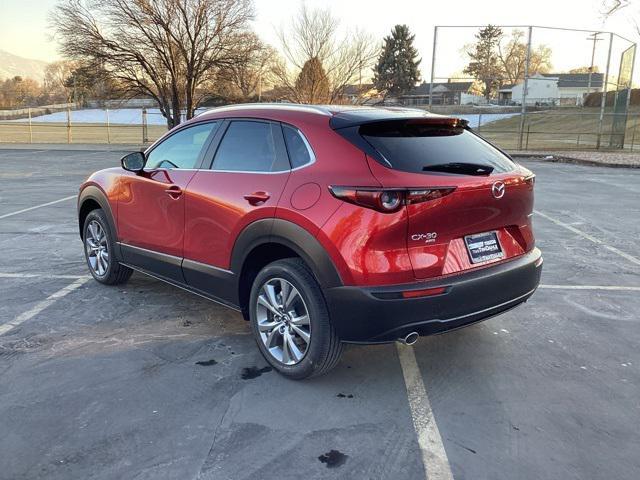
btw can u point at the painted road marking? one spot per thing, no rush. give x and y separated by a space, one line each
591 238
39 307
591 287
37 206
40 275
434 457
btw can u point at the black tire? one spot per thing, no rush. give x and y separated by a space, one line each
324 348
115 273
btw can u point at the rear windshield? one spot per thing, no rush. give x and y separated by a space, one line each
415 147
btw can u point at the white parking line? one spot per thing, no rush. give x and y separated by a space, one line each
591 238
434 457
23 317
591 287
37 206
39 275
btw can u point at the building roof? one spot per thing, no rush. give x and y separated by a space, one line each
424 88
356 89
577 80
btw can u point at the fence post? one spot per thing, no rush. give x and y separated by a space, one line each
68 125
433 65
30 128
144 125
108 127
523 109
479 121
603 99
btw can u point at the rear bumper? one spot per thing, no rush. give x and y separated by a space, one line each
380 314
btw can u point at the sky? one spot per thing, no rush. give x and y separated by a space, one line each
24 28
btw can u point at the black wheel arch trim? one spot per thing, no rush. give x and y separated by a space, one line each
92 192
293 236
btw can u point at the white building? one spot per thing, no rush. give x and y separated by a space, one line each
557 88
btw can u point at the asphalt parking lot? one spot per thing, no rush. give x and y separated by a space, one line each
146 381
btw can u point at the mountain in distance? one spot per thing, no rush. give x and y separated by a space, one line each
12 65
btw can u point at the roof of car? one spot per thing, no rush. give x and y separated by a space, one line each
341 115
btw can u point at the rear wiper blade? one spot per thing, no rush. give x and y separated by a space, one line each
460 167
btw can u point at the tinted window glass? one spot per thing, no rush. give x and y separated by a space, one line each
181 150
411 147
297 147
248 147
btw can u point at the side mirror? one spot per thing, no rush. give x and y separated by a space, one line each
134 162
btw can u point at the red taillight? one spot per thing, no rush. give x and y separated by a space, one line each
531 180
419 196
427 292
387 200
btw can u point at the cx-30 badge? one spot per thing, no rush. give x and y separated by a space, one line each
498 189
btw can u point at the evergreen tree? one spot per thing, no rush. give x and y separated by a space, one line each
485 61
397 69
312 84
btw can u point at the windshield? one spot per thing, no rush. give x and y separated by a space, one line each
418 147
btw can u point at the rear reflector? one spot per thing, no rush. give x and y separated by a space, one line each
427 292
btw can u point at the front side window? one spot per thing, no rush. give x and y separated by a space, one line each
182 149
249 146
299 150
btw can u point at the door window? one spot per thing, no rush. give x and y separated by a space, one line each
182 149
249 146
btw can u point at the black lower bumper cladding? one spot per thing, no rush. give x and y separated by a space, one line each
377 315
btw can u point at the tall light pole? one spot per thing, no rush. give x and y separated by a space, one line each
594 38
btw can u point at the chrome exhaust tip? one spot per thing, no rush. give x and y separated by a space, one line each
410 339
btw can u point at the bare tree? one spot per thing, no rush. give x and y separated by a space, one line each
248 76
513 57
166 49
314 35
56 75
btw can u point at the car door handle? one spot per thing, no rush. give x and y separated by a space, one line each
257 198
174 191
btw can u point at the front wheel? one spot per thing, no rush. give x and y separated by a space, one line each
99 249
290 321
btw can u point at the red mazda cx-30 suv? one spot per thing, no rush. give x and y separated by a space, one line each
322 225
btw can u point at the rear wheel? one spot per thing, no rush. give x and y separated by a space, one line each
99 250
290 321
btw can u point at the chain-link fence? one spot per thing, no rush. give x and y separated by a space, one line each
536 87
93 125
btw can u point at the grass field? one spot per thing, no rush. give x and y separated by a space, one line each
559 129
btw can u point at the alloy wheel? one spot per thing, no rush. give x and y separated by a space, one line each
283 321
97 248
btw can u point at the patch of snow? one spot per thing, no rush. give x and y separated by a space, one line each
477 119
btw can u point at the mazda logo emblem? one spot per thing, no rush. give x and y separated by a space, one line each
498 189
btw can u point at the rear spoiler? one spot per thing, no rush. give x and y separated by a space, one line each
348 119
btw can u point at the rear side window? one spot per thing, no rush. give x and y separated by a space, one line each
414 147
249 146
300 152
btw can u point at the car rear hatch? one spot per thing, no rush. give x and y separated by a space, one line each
468 204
